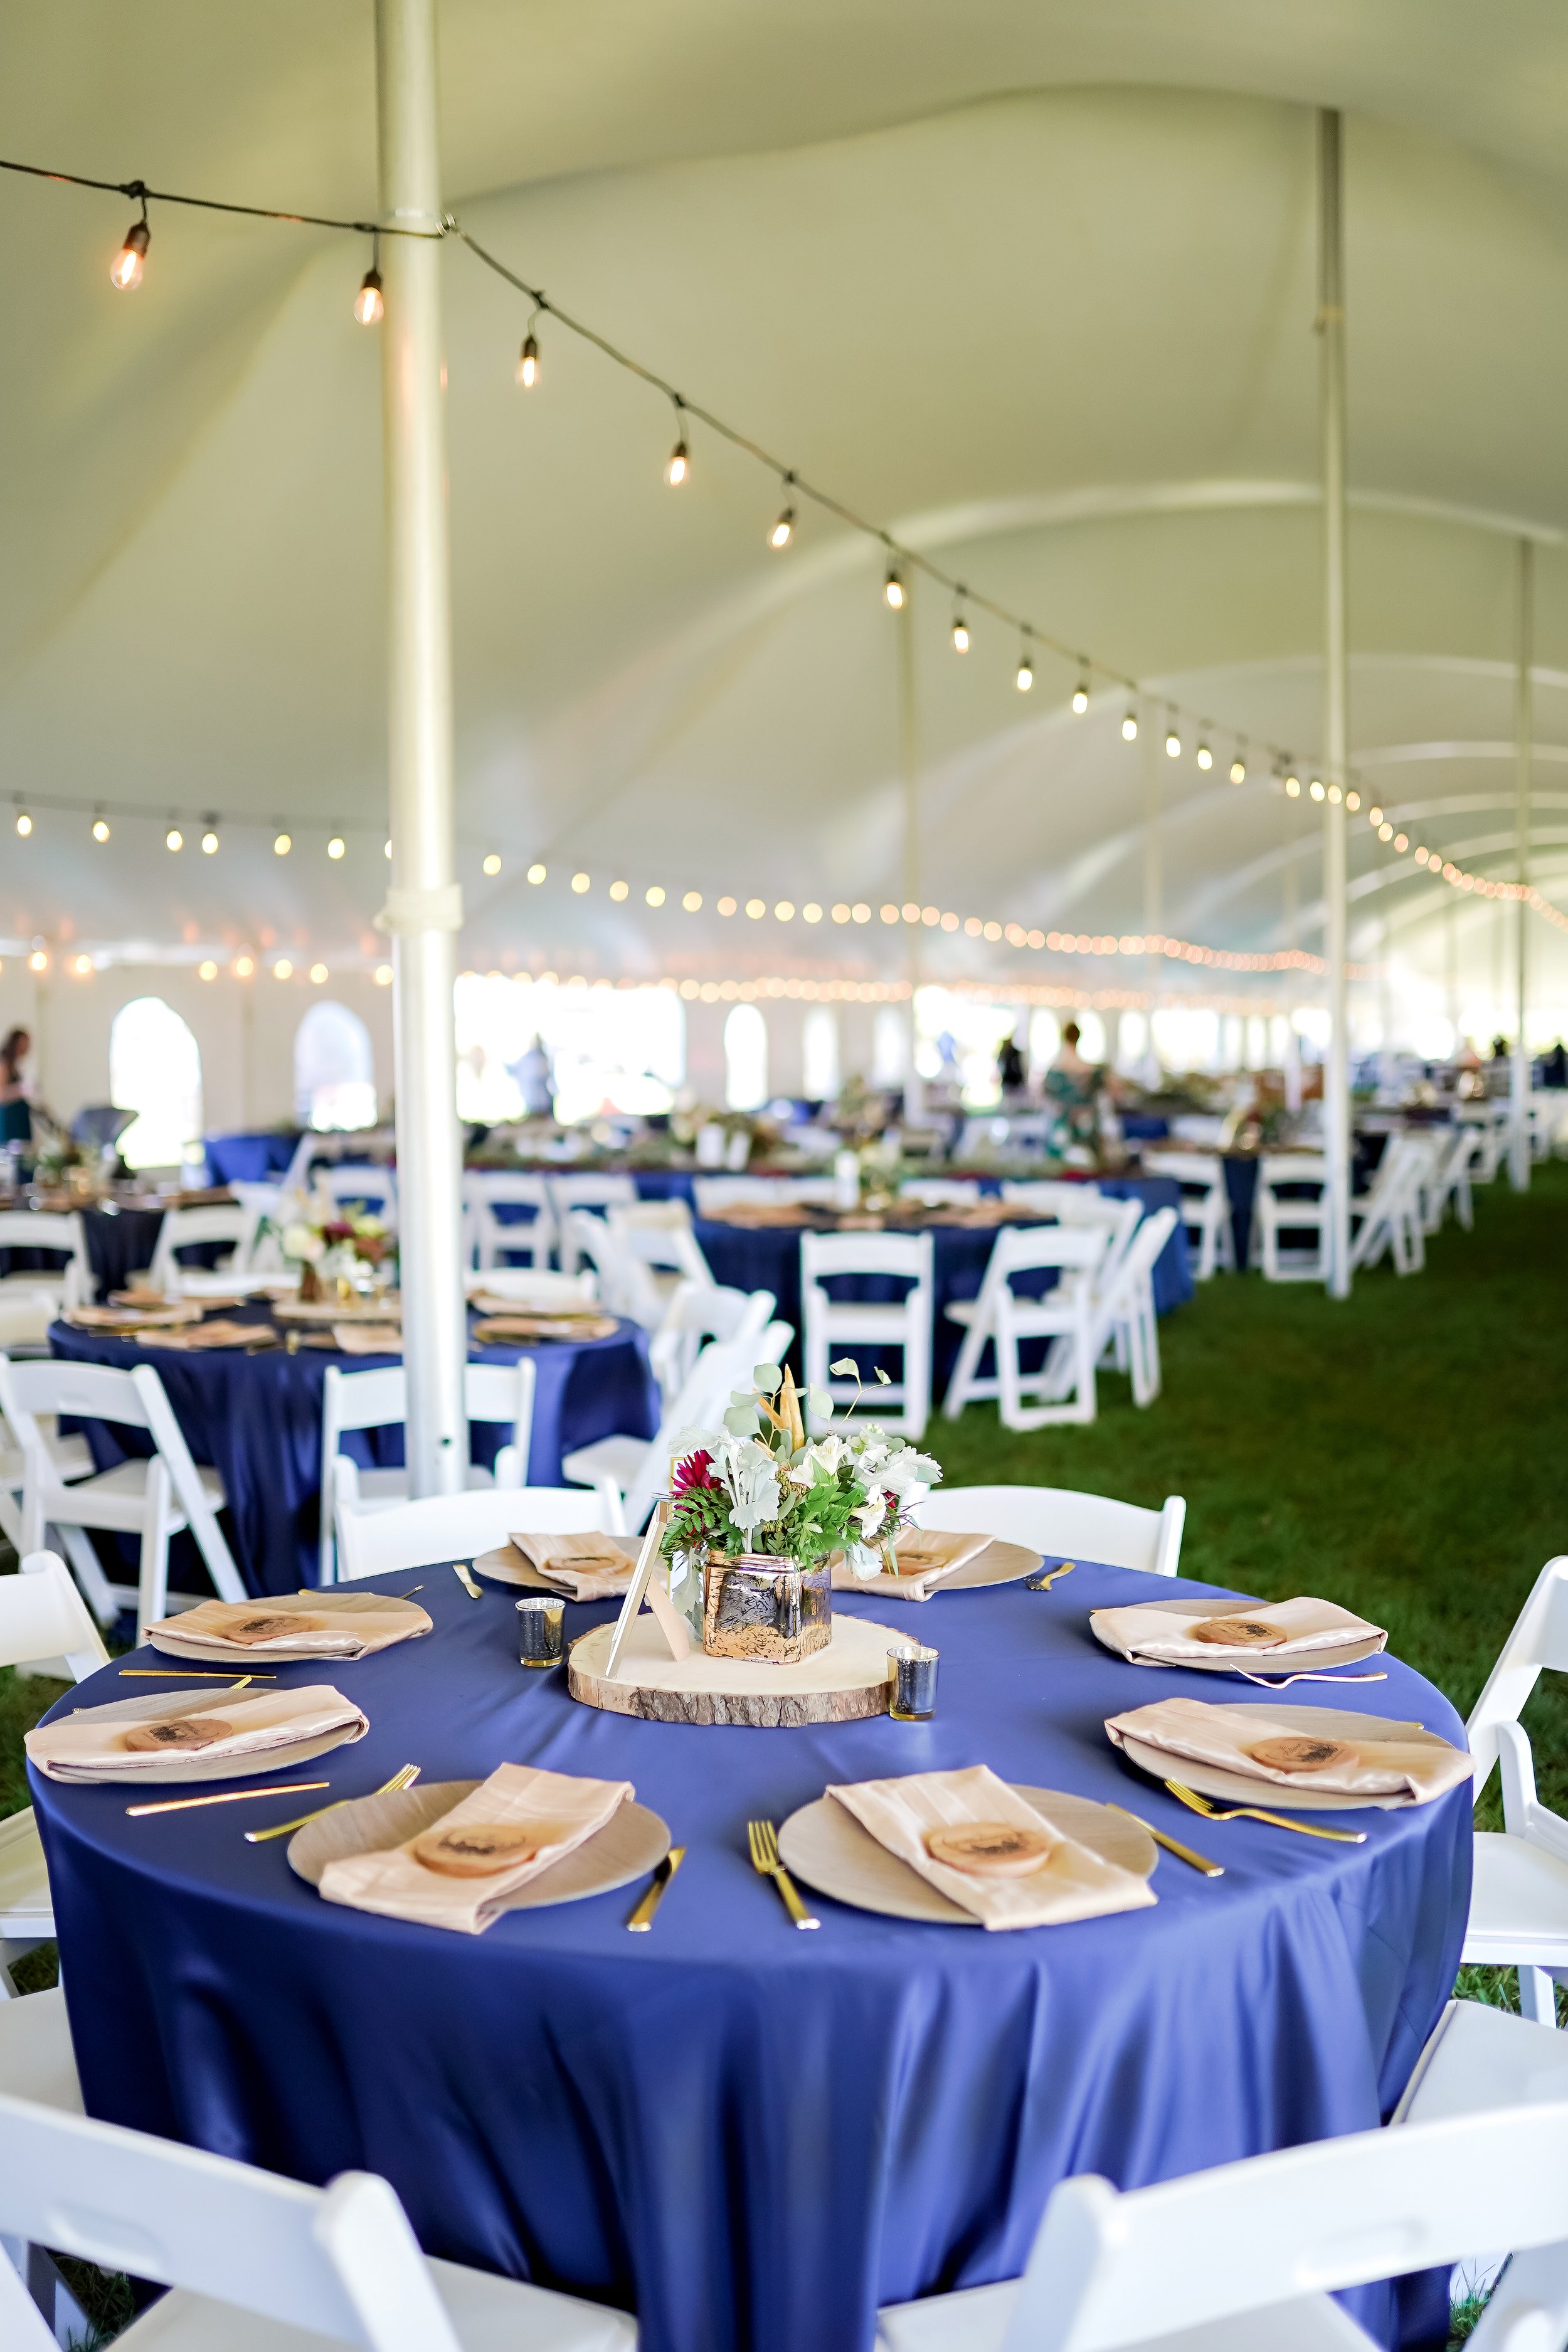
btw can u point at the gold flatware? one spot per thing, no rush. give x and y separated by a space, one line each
1253 1813
189 1675
763 1839
1043 1583
406 1596
227 1797
640 1919
403 1777
1198 1861
291 1341
460 1571
1285 1681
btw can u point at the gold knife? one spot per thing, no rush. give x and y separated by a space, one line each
460 1570
641 1919
1198 1861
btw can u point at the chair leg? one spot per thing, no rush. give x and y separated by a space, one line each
1537 1997
153 1591
966 1368
104 1599
1087 1400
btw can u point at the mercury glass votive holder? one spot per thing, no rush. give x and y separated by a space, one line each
541 1628
912 1683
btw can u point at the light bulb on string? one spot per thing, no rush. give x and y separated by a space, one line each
336 845
1238 766
126 269
1205 756
528 357
893 590
174 839
960 625
1026 676
369 308
1081 691
101 828
780 535
680 464
209 838
24 823
1129 726
283 843
1173 741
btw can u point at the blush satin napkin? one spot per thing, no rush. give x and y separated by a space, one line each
311 1625
140 1738
458 1871
1265 1633
1069 1881
1287 1749
588 1567
926 1558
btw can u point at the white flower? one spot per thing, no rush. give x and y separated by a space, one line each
870 1516
303 1241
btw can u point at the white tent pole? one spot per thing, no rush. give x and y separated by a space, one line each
1524 733
1149 754
423 909
910 763
1332 420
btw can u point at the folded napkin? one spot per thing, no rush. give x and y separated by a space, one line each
926 1556
1069 1883
468 1871
368 1339
543 1326
1285 1747
585 1568
1266 1631
129 1318
218 1333
311 1625
94 1744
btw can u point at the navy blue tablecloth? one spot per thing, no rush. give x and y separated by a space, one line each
258 1419
751 2135
248 1159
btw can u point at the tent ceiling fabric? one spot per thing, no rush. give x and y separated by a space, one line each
1031 285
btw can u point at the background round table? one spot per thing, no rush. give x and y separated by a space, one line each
752 2136
258 1420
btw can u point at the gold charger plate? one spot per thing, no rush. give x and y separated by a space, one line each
507 1565
314 1603
1294 1662
191 1768
632 1842
1237 1788
999 1563
824 1845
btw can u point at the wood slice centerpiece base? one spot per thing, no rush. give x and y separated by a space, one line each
842 1683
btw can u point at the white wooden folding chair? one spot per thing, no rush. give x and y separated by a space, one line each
1063 1523
626 1286
59 1235
45 1626
1248 2257
361 1184
832 1325
152 1499
1519 1889
1129 1305
71 1458
696 1313
1460 1156
1387 1219
1478 2057
631 1473
1277 1212
254 2262
488 1240
1067 1313
595 1195
1488 1139
659 1235
456 1526
1205 1207
492 1394
227 1223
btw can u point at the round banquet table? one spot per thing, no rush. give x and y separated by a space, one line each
750 2135
258 1420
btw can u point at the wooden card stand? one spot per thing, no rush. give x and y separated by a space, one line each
647 1585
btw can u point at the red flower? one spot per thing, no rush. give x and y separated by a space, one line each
695 1471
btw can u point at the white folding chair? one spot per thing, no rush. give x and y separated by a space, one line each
1453 1181
70 1458
1067 1313
626 1286
534 1286
489 1240
1488 1139
44 1626
657 1237
230 1222
1388 1217
834 1324
494 1394
1519 1889
1205 1207
631 1473
61 1235
457 1526
941 1191
1129 1307
1275 1215
1063 1524
1478 2057
1247 2258
361 1184
594 1193
697 1312
152 1499
305 2266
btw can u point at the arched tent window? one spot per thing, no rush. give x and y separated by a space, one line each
334 1068
155 1070
819 1055
745 1058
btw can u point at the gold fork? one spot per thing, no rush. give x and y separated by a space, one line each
1252 1813
763 1839
1044 1583
403 1777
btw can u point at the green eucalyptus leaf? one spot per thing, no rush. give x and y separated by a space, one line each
768 1377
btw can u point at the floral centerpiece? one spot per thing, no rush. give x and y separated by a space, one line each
760 1511
330 1244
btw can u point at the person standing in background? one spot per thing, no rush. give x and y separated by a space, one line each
16 1113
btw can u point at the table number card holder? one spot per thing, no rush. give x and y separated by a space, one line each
645 1586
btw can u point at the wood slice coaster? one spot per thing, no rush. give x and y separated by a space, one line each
1315 1722
632 1842
826 1845
842 1683
507 1565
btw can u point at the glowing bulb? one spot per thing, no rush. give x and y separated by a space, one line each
1374 816
209 843
1239 769
1080 693
893 590
23 824
244 967
336 847
960 630
1173 744
173 838
527 363
1401 842
1315 789
692 900
756 909
679 464
1385 831
1293 787
126 269
780 534
536 873
784 912
282 968
578 883
1352 801
619 891
100 829
1129 726
386 848
318 973
282 846
492 864
1335 794
654 893
82 965
1025 678
207 970
383 975
1205 757
726 906
38 961
369 306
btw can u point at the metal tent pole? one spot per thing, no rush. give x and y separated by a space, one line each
1153 872
1332 420
910 768
424 907
1523 732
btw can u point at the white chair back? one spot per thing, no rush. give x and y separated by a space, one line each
494 1393
1206 1205
458 1527
1539 1640
658 1234
698 1311
1064 1524
1279 1174
835 1324
341 2262
593 1194
626 1285
43 1617
223 1221
722 1365
361 1184
60 1232
491 1240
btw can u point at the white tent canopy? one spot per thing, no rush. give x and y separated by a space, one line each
1031 287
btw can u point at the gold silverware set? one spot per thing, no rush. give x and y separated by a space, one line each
403 1777
1044 1582
1197 1804
1196 1860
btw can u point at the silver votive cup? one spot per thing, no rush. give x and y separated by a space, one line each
912 1683
541 1628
